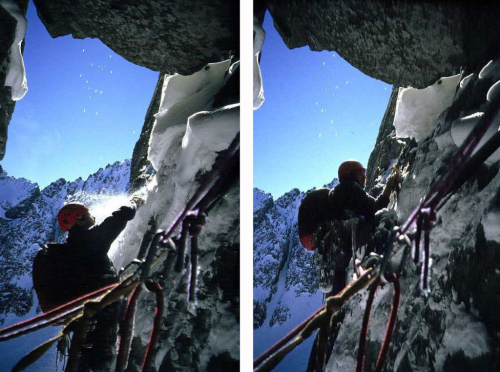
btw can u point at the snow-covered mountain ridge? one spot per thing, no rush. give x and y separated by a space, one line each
14 191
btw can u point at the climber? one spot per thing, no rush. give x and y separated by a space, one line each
338 208
349 200
63 272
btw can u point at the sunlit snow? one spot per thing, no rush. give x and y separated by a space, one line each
461 127
16 76
258 42
418 109
183 96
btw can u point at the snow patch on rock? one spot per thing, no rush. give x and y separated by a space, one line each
418 109
16 76
491 70
183 96
258 42
207 133
491 226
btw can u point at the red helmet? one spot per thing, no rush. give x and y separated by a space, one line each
348 167
69 214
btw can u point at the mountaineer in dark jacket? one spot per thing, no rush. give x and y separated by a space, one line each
88 244
349 196
88 269
349 200
346 201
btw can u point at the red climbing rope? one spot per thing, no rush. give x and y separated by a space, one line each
391 323
127 330
51 317
181 255
155 332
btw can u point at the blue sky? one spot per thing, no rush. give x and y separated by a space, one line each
84 109
319 111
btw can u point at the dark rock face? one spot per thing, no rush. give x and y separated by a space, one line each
386 147
174 36
401 43
140 163
199 336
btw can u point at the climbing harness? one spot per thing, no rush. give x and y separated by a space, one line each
333 241
135 276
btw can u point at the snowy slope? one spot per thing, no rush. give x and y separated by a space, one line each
14 191
285 277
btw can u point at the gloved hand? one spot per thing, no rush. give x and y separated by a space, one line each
393 180
137 201
126 213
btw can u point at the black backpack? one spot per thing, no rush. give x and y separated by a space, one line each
313 211
53 277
